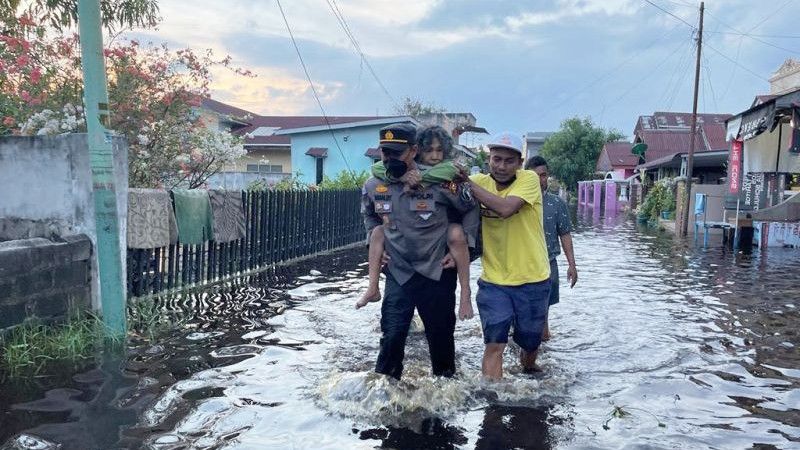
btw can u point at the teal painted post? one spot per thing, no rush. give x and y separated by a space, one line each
112 294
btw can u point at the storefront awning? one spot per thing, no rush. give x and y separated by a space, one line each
761 118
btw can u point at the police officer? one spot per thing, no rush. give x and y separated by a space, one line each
415 227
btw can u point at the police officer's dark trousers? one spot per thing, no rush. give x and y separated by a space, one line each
435 301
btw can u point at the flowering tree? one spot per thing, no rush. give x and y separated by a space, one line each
154 95
63 14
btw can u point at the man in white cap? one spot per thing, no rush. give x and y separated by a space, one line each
514 287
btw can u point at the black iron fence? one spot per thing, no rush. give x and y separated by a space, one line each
280 226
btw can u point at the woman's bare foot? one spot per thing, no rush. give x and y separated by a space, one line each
372 295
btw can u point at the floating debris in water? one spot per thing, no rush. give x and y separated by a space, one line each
30 442
200 336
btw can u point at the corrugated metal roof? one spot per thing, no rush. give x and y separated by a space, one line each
281 122
619 153
225 109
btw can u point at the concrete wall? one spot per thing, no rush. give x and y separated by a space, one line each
353 141
46 186
44 279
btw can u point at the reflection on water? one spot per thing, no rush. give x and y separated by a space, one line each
660 345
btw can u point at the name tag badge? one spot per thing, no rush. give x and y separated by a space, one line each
383 207
422 206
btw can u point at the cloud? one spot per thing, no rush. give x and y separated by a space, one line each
566 9
272 92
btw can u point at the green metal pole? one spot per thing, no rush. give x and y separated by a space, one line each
112 292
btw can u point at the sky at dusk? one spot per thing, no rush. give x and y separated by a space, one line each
516 65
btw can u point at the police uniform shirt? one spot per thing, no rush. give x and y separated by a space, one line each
415 223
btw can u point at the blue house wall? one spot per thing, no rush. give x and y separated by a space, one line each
354 142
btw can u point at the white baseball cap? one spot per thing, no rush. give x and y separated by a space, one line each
506 140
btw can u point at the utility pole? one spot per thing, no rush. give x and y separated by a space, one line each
109 263
684 225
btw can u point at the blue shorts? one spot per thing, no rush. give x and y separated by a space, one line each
553 282
524 306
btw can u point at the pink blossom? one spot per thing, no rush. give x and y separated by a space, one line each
9 121
36 75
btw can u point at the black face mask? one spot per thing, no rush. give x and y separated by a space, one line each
395 168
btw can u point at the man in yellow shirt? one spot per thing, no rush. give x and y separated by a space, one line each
514 287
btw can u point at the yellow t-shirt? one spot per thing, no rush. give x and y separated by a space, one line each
514 249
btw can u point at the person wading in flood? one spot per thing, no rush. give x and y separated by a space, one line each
515 284
557 226
419 272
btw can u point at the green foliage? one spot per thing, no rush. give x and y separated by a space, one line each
31 347
292 183
414 107
62 15
660 197
147 320
345 180
480 160
572 152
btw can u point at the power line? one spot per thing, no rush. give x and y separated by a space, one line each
771 36
671 14
337 12
680 80
675 80
753 37
313 89
652 71
736 63
599 78
710 85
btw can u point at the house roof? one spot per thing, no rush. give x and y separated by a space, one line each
705 159
676 120
616 155
264 130
259 130
619 154
226 110
662 143
763 99
317 152
335 123
714 135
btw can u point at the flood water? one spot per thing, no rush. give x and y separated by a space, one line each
662 344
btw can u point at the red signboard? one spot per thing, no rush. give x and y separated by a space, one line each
735 168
